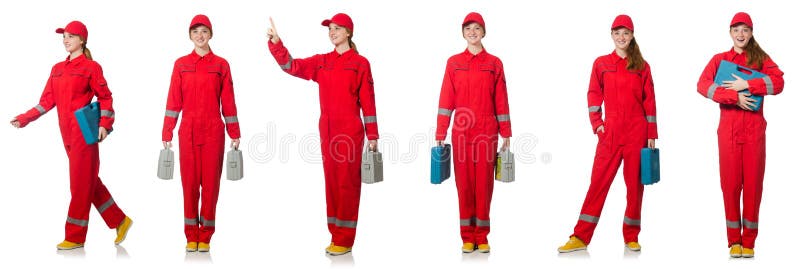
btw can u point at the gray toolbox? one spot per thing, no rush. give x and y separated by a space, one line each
371 166
166 164
504 170
234 164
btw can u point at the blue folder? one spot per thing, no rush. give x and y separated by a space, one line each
440 163
650 166
88 118
725 73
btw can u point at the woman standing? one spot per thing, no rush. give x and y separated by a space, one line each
474 87
345 87
201 82
741 132
72 85
623 82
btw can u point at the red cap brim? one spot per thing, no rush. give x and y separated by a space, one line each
60 31
326 22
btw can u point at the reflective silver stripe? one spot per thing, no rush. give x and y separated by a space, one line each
445 112
468 222
632 222
733 224
231 119
750 225
106 113
288 64
768 83
504 117
205 222
651 119
105 205
41 109
342 223
79 222
370 119
482 223
588 218
595 109
189 221
346 223
711 90
171 113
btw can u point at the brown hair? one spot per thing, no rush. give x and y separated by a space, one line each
86 52
350 40
635 59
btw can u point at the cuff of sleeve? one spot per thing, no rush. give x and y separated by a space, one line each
372 137
441 136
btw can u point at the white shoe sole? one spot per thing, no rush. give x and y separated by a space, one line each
570 250
337 253
633 249
70 248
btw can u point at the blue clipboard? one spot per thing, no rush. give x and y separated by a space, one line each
440 163
88 118
725 73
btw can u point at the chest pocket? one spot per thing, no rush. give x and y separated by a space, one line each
214 74
78 80
608 74
460 76
187 70
350 74
487 76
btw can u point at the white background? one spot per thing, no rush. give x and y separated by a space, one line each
276 215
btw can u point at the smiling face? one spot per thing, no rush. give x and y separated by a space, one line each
200 36
473 33
72 43
338 34
741 35
622 38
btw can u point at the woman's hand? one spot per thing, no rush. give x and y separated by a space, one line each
745 102
600 129
15 122
506 144
651 143
272 33
738 85
235 143
373 145
103 133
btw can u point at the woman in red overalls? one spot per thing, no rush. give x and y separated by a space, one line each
345 87
71 86
474 87
623 82
741 132
201 82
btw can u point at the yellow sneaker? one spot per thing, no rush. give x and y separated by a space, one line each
122 230
67 245
748 253
191 247
736 251
203 247
483 248
633 246
337 250
573 244
468 248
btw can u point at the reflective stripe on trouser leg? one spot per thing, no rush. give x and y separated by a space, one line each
607 160
106 206
631 156
730 172
190 183
342 164
753 154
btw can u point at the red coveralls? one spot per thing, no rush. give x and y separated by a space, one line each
630 119
345 86
742 144
475 87
199 86
71 86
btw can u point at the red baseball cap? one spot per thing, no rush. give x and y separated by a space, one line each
742 17
474 17
340 19
622 21
200 19
75 28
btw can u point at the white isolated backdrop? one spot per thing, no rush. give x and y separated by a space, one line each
275 216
